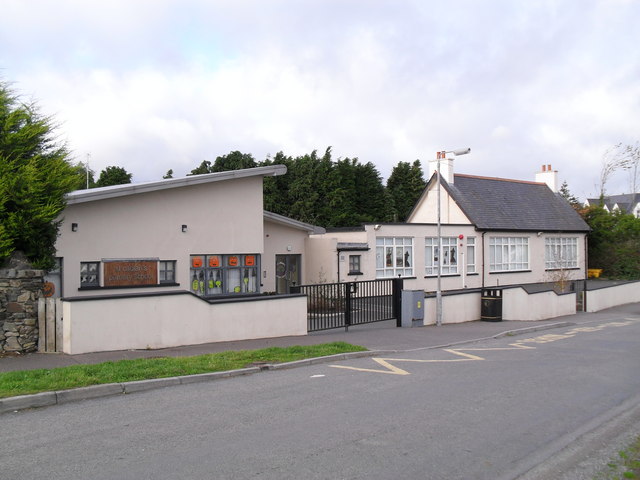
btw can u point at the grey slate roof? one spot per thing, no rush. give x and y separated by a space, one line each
626 202
500 204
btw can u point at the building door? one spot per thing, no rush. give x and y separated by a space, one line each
287 272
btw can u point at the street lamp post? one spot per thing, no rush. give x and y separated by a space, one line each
439 156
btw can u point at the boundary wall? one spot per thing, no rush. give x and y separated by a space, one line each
600 298
95 324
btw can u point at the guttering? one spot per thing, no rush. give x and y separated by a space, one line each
103 193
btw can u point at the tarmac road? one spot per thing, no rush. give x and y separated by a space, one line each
481 410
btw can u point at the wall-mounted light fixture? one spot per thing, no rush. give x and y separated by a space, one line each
184 229
74 227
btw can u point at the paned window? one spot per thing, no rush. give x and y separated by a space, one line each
89 274
560 252
449 255
471 254
224 274
354 264
167 271
508 254
394 257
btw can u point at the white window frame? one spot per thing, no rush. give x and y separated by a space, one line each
471 254
508 254
560 253
450 256
394 257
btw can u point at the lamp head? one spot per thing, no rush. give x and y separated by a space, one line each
461 151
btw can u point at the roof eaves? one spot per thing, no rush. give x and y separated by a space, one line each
95 194
290 222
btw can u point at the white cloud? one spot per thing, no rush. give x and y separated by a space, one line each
152 85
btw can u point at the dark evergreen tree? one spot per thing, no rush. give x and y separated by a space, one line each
569 197
204 167
35 175
405 185
614 243
113 176
233 161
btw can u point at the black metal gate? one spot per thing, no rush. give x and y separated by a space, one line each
337 305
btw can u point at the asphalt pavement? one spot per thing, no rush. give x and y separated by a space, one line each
383 337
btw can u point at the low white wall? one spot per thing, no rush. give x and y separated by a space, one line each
517 304
612 296
174 320
458 308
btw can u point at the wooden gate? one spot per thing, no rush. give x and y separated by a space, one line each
49 325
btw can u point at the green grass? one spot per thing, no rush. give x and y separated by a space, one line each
24 382
626 466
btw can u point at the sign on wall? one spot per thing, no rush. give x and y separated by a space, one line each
121 273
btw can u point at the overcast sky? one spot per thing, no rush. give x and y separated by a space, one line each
153 85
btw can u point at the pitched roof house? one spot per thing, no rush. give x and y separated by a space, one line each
494 232
626 203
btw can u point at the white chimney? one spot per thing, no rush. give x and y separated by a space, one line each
548 176
446 168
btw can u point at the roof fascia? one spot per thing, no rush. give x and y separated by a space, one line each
290 222
95 194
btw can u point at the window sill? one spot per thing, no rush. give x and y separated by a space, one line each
155 285
561 269
355 273
435 275
509 271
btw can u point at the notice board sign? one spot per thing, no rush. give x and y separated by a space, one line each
127 273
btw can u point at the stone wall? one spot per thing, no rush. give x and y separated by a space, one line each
19 292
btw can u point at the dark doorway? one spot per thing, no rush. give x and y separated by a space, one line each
287 272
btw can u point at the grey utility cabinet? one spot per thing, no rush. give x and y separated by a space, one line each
412 308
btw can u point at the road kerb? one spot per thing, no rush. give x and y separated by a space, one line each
95 391
23 402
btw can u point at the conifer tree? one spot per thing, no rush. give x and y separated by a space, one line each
35 175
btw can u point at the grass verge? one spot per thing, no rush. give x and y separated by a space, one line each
625 466
24 382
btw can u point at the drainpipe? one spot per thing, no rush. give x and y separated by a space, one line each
586 273
483 267
338 257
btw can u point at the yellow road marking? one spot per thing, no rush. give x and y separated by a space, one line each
547 338
391 369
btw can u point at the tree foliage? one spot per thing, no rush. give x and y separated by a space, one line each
321 190
233 161
86 176
113 176
614 159
614 242
35 174
569 197
405 185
